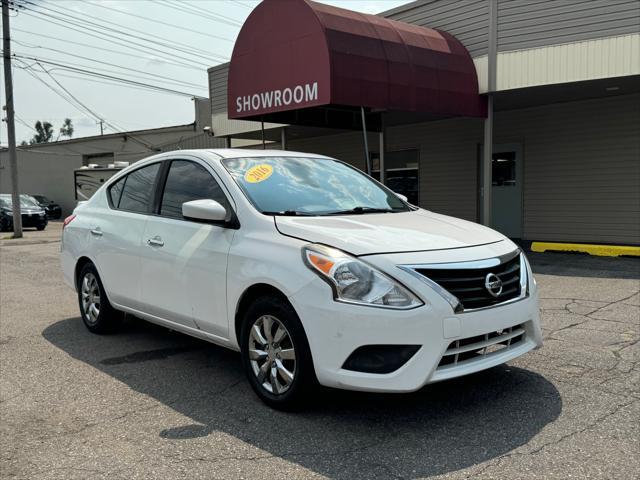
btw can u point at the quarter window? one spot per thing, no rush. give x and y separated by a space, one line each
188 181
138 189
115 191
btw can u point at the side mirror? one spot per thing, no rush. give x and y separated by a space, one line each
207 210
402 197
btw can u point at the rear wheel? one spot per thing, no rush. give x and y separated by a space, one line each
41 227
276 354
97 313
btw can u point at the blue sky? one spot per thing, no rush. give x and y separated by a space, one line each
54 31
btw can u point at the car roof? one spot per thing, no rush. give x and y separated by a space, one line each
251 153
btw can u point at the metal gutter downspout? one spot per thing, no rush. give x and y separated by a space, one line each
367 158
487 156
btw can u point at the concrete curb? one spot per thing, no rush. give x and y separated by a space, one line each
596 250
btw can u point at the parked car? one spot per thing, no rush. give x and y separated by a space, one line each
311 269
53 210
32 214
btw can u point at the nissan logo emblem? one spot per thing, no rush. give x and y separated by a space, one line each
493 284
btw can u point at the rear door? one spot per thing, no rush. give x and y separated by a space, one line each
116 234
184 265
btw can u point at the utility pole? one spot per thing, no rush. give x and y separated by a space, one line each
11 127
101 127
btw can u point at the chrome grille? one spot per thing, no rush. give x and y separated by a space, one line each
468 284
469 349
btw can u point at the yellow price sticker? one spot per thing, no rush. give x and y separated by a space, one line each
259 173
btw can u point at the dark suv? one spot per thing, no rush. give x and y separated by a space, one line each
32 214
53 210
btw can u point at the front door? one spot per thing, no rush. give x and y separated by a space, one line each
506 190
184 267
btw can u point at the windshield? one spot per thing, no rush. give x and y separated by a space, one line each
310 186
25 202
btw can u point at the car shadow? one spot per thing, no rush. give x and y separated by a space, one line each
348 435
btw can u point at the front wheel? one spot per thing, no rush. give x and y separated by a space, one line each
276 355
97 313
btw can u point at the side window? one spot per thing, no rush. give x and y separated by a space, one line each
188 181
138 189
115 191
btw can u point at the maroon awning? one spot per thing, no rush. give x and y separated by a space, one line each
296 54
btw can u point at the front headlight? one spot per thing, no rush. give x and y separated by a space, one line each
354 281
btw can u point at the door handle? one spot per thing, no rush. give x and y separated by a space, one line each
155 242
96 232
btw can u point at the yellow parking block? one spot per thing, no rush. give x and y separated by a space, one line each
598 250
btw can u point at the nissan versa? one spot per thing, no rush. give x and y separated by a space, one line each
312 270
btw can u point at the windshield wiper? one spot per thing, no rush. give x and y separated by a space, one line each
362 210
290 213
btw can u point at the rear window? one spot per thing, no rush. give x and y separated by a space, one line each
138 189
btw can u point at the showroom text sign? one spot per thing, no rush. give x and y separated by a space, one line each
298 95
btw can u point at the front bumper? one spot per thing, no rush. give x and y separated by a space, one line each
334 330
29 220
33 220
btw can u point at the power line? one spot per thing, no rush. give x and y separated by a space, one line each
112 83
112 39
83 22
170 79
94 114
237 2
185 7
110 77
117 52
24 123
101 119
61 95
153 20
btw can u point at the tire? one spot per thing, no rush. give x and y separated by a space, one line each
40 227
107 319
280 393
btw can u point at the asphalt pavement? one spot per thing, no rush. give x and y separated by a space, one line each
150 403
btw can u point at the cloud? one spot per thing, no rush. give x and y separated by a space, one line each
83 122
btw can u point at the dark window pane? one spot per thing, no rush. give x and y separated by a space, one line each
188 181
401 172
138 189
503 169
115 190
404 182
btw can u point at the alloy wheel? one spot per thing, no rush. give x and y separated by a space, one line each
90 292
272 354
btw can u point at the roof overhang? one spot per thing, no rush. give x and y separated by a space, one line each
298 61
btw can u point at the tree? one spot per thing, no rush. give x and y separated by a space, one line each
67 129
44 133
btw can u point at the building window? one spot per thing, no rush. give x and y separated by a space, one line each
400 172
503 169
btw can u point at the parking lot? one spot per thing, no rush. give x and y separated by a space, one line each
151 403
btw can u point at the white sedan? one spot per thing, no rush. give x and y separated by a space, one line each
315 272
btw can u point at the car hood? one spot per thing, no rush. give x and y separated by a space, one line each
366 234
